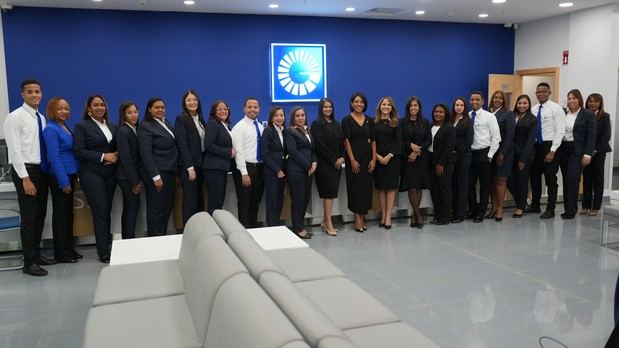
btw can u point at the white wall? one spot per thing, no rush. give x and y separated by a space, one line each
4 95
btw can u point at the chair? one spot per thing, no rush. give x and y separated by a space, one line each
10 223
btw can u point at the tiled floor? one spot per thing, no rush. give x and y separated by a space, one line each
468 285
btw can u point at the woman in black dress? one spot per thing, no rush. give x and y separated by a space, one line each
504 157
416 138
329 150
388 150
443 159
464 139
360 146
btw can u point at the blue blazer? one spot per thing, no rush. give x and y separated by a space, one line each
129 163
273 153
60 155
157 147
188 141
300 150
89 144
218 147
585 128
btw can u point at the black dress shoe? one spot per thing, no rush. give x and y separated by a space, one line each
34 270
420 225
548 214
104 259
66 260
78 255
457 220
478 219
517 216
498 218
381 225
360 230
44 261
533 209
440 222
470 216
490 215
567 216
387 227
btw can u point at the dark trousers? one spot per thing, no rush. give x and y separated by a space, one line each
549 170
62 218
480 170
460 186
32 211
593 182
248 198
441 193
571 170
131 208
216 181
99 192
274 194
300 186
193 194
518 184
159 204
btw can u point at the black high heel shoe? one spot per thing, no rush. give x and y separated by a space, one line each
304 236
491 215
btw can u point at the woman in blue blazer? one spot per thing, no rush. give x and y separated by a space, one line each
63 171
219 154
593 174
273 149
129 172
159 156
300 168
95 146
189 133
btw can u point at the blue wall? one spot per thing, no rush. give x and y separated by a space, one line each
137 55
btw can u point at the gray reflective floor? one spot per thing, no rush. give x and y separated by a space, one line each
494 284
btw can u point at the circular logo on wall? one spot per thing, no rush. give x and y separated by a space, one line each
299 72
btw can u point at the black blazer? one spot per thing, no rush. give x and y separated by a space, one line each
507 124
443 145
524 138
418 133
464 137
157 147
300 150
273 153
129 163
329 141
188 141
584 131
218 147
89 144
603 134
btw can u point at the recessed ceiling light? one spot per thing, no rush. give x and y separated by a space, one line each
273 5
482 15
97 0
566 4
420 12
499 1
350 9
189 2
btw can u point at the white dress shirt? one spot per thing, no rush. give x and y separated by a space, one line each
245 141
280 133
434 130
104 128
162 123
486 132
553 123
21 130
570 119
200 129
132 128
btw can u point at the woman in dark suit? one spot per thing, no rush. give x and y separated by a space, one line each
593 174
329 148
416 139
524 153
130 172
388 150
189 133
464 139
300 168
95 146
504 157
63 171
273 149
219 155
443 159
159 156
576 149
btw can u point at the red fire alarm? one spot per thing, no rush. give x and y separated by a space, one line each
566 57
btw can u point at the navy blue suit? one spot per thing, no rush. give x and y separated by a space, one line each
190 154
129 174
300 159
159 156
593 174
460 178
443 154
273 155
217 162
97 178
524 151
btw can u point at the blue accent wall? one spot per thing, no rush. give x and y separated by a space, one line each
137 55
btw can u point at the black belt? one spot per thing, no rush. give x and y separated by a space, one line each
250 164
32 165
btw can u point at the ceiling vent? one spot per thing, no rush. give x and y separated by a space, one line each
384 11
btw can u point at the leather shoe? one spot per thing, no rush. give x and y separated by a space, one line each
66 260
457 220
470 216
387 227
478 219
34 270
517 216
441 222
104 259
567 216
547 215
533 209
44 261
77 255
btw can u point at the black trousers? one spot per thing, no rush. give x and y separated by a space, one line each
99 192
480 170
518 184
193 194
131 208
593 182
300 186
248 198
460 186
216 181
274 194
159 204
32 211
441 193
62 218
549 171
571 170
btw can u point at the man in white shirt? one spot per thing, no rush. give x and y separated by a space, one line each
248 176
23 130
486 140
550 132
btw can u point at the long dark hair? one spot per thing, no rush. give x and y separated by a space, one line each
187 93
294 111
147 115
123 108
275 109
598 98
213 112
525 96
465 115
407 112
87 107
321 105
445 108
576 93
491 101
360 95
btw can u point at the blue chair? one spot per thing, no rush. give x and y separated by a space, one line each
7 224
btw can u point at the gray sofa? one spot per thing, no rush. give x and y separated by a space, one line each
226 291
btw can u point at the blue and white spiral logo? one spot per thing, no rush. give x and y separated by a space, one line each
298 72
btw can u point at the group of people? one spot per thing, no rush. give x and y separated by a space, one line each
455 155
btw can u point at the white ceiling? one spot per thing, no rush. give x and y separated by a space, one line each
513 11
